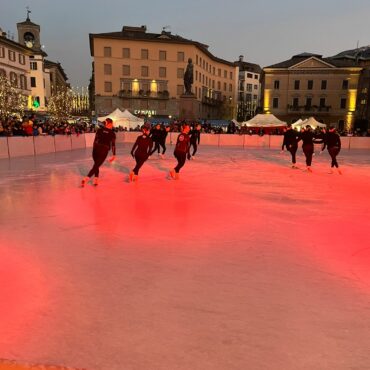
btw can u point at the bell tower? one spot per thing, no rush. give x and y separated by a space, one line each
29 33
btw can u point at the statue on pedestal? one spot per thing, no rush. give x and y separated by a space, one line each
188 77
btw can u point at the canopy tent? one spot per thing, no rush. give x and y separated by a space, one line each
310 121
123 119
264 121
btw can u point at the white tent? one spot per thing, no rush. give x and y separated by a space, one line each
123 119
310 121
264 120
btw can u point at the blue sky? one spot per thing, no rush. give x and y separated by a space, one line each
264 31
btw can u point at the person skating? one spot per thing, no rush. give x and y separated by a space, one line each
141 150
155 135
309 138
181 150
162 143
291 139
333 143
105 139
194 140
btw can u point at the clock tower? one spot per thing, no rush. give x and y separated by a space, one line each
29 33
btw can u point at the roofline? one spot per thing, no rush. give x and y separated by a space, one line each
17 45
169 41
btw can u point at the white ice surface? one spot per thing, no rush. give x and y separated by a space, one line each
243 263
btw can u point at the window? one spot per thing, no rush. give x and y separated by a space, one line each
213 70
310 84
249 75
180 56
162 72
255 87
126 53
13 79
196 58
33 66
144 54
206 80
107 51
322 102
249 87
343 103
345 85
203 80
213 84
2 52
180 72
144 71
225 86
296 84
295 102
11 55
324 84
256 77
180 89
200 77
108 86
204 64
33 81
225 74
162 55
218 85
196 75
22 59
126 70
219 72
308 103
275 102
255 97
23 82
276 84
107 69
231 75
230 87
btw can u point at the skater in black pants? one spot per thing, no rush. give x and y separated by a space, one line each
194 140
291 139
162 143
181 150
333 143
105 139
156 134
309 139
140 151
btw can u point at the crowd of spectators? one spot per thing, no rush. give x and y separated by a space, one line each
31 126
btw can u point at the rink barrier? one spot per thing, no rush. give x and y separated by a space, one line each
18 146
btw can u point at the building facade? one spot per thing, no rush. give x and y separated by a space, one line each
310 85
14 64
144 72
249 90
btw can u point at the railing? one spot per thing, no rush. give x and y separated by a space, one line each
309 108
144 94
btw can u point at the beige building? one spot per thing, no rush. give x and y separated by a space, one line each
14 63
310 85
144 72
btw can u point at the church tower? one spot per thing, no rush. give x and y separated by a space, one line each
29 33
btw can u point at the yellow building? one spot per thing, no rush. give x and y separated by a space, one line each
310 85
144 72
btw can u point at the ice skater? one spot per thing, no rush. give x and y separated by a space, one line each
162 143
309 139
194 140
105 139
155 134
333 143
291 139
181 150
141 150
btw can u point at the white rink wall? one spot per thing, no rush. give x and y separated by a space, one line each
12 147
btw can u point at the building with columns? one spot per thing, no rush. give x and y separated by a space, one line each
144 73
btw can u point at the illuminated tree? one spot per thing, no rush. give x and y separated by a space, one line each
61 104
11 100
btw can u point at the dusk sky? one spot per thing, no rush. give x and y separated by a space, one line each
264 31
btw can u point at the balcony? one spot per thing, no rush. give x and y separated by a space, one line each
309 108
211 101
141 94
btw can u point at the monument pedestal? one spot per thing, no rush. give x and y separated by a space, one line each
188 107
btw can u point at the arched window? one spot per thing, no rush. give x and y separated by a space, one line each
23 82
14 79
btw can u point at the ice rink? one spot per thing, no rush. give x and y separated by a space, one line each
242 264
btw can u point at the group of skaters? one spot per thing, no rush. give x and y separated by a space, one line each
146 144
330 140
